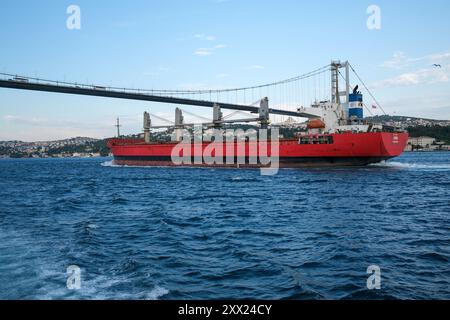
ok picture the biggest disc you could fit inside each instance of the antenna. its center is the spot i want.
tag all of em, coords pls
(118, 127)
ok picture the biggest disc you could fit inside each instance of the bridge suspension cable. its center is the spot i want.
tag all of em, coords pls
(367, 89)
(179, 92)
(365, 106)
(286, 96)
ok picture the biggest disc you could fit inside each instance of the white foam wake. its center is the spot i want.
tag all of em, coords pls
(109, 164)
(389, 164)
(157, 293)
(406, 165)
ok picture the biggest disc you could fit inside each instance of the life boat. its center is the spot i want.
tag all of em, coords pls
(316, 124)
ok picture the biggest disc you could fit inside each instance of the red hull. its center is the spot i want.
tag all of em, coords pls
(346, 149)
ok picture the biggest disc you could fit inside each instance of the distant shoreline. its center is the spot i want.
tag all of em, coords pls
(426, 151)
(30, 158)
(110, 156)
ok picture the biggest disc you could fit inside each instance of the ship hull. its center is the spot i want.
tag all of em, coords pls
(283, 162)
(346, 149)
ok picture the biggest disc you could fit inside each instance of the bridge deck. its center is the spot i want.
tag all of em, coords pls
(108, 93)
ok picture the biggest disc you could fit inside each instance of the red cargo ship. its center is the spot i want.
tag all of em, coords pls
(337, 135)
(343, 149)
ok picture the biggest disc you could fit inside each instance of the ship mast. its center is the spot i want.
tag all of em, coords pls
(336, 94)
(335, 97)
(118, 127)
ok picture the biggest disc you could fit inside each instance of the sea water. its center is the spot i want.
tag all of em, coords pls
(186, 233)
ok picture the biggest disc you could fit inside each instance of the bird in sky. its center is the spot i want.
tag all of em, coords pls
(437, 65)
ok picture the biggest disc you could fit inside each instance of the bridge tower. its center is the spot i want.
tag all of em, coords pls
(179, 124)
(217, 116)
(147, 126)
(336, 93)
(264, 113)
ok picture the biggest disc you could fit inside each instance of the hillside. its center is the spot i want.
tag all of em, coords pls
(439, 132)
(85, 147)
(88, 147)
(417, 127)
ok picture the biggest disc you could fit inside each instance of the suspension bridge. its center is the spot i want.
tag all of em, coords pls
(286, 96)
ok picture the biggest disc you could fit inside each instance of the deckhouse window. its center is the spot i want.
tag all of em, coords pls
(316, 140)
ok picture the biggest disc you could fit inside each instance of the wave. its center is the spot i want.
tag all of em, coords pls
(109, 164)
(406, 165)
(113, 165)
(242, 179)
(435, 256)
(389, 164)
(157, 293)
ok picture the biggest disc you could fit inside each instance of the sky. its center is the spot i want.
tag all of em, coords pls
(201, 44)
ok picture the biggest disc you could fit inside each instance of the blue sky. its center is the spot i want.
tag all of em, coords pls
(212, 44)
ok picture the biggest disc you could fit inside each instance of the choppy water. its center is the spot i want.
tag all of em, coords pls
(158, 233)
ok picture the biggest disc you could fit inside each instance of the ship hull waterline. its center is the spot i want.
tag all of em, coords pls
(283, 163)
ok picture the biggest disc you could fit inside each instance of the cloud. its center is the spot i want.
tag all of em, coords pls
(400, 60)
(254, 67)
(209, 51)
(204, 37)
(431, 75)
(43, 122)
(42, 129)
(432, 106)
(440, 58)
(203, 52)
(30, 121)
(160, 70)
(422, 70)
(150, 74)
